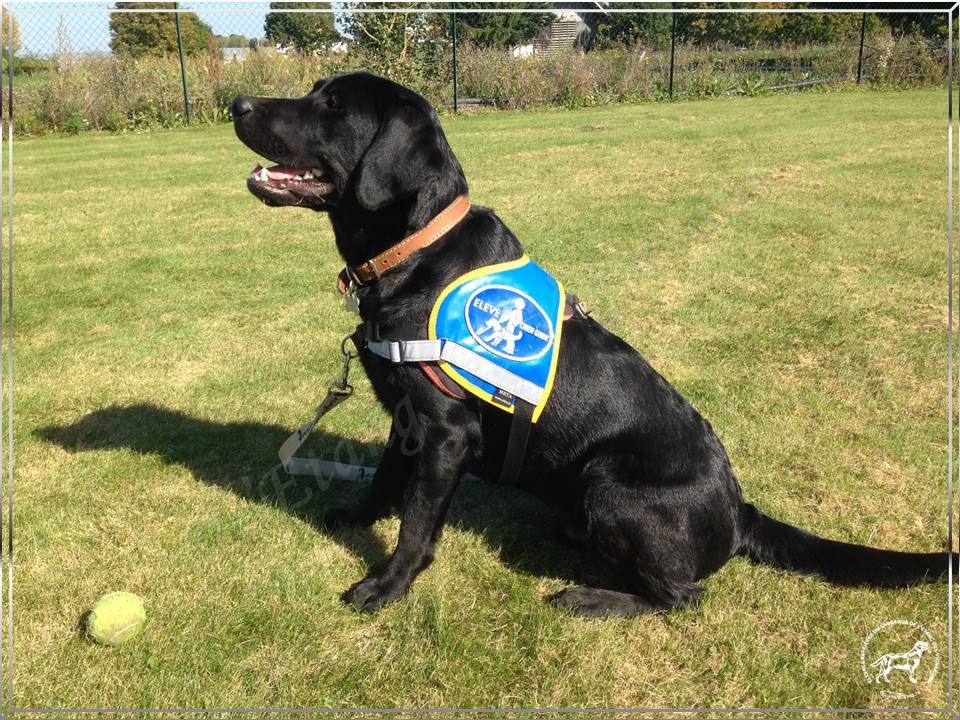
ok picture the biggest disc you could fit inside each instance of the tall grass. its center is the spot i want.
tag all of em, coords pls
(124, 94)
(637, 74)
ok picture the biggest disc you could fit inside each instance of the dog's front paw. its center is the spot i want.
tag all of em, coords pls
(351, 516)
(371, 594)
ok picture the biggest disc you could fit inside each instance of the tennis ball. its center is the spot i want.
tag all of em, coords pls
(115, 618)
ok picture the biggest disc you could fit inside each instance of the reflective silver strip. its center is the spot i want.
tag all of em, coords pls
(406, 350)
(491, 372)
(399, 351)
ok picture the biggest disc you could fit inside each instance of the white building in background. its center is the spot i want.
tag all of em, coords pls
(234, 54)
(566, 31)
(562, 33)
(567, 16)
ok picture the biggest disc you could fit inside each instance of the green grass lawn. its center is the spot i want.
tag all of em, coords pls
(781, 260)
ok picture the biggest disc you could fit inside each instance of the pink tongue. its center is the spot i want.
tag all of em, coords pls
(278, 172)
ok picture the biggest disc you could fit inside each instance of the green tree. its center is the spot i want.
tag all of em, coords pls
(5, 35)
(155, 33)
(409, 47)
(718, 28)
(818, 28)
(385, 32)
(499, 30)
(232, 41)
(929, 25)
(651, 29)
(394, 34)
(304, 31)
(745, 29)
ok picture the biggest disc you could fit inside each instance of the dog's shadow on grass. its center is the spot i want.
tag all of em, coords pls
(242, 458)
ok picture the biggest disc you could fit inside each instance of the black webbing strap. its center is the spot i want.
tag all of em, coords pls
(517, 444)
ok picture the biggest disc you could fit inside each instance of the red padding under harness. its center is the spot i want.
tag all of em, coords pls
(444, 384)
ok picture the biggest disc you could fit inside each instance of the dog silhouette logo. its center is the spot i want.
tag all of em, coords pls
(508, 323)
(908, 662)
(898, 655)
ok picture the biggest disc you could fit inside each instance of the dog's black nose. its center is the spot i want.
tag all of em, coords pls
(240, 106)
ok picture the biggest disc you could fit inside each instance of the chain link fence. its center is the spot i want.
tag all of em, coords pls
(92, 66)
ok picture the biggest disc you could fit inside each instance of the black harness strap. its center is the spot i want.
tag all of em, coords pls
(522, 410)
(517, 443)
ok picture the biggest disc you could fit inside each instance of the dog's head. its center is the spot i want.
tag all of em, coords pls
(355, 140)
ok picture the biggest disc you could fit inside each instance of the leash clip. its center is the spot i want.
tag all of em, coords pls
(352, 276)
(341, 386)
(337, 392)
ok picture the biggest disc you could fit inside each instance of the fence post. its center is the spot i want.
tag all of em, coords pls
(183, 69)
(673, 43)
(863, 30)
(453, 22)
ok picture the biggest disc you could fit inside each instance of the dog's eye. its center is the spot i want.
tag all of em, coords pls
(331, 102)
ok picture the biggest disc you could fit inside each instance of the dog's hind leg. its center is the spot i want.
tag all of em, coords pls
(642, 595)
(600, 602)
(647, 575)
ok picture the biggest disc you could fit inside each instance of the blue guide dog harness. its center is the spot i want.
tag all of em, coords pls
(494, 332)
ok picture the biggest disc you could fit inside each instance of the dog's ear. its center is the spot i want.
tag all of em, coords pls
(406, 154)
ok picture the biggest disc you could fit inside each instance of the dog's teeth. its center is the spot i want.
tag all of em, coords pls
(317, 172)
(308, 175)
(263, 175)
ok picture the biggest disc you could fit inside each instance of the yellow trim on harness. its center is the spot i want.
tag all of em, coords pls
(451, 371)
(558, 331)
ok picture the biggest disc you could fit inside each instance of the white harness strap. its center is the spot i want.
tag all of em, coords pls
(407, 350)
(458, 355)
(400, 351)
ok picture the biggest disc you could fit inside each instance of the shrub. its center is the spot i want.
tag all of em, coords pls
(103, 92)
(28, 65)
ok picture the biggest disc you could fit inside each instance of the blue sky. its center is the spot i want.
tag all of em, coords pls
(87, 28)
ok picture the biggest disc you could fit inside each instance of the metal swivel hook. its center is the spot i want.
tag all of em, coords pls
(341, 386)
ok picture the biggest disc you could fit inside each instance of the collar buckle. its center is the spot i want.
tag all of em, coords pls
(352, 276)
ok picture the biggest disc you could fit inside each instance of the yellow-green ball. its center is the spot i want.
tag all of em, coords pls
(116, 617)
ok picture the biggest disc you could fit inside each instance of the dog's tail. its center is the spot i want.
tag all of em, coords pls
(771, 542)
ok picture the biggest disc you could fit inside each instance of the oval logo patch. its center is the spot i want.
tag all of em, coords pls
(508, 323)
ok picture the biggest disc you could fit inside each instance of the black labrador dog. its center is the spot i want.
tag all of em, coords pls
(646, 482)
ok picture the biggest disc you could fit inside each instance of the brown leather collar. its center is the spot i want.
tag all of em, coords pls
(373, 268)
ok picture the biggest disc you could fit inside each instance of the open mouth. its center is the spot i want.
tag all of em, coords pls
(287, 185)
